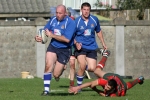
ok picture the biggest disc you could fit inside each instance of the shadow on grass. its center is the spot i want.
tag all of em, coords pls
(87, 89)
(62, 86)
(61, 94)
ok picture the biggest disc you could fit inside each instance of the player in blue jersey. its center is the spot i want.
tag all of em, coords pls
(85, 40)
(60, 29)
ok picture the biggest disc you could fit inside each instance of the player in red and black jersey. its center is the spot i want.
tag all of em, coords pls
(113, 84)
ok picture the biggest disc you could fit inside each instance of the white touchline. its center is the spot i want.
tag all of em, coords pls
(56, 90)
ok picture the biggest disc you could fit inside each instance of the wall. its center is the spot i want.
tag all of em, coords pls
(128, 42)
(17, 49)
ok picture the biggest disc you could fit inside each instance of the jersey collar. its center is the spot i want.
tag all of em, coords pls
(64, 18)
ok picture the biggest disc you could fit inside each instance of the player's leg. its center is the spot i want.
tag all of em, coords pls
(98, 71)
(58, 70)
(91, 63)
(82, 64)
(105, 55)
(139, 80)
(72, 70)
(50, 61)
(91, 58)
(63, 56)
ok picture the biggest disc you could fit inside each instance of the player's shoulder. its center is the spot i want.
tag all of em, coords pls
(67, 18)
(70, 21)
(53, 17)
(94, 17)
(79, 17)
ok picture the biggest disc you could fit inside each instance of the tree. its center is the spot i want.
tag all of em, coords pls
(141, 5)
(101, 4)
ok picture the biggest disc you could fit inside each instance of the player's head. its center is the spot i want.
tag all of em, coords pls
(110, 86)
(85, 9)
(60, 12)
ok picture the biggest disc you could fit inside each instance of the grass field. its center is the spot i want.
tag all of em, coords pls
(30, 89)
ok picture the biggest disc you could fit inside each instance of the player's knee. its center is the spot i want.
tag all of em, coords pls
(55, 75)
(82, 69)
(96, 71)
(72, 65)
(91, 69)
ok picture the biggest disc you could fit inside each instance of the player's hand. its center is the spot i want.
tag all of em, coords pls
(49, 33)
(105, 47)
(78, 45)
(38, 38)
(73, 90)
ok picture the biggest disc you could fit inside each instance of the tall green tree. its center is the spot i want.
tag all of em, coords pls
(141, 5)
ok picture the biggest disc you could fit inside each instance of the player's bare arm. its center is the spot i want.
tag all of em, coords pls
(57, 37)
(91, 84)
(100, 92)
(100, 36)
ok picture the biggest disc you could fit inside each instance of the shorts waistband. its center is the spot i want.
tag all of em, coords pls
(61, 47)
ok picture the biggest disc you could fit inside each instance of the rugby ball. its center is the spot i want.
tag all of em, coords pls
(44, 37)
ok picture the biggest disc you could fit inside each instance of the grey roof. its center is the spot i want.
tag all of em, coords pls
(24, 6)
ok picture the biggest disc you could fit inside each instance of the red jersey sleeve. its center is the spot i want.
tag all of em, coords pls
(102, 82)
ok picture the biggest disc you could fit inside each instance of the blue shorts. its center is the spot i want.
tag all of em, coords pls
(89, 53)
(63, 54)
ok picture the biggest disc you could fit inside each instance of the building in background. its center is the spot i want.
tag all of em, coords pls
(29, 10)
(75, 4)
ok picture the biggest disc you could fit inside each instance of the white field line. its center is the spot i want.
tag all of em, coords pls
(57, 90)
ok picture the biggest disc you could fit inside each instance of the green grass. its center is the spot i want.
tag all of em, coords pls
(30, 89)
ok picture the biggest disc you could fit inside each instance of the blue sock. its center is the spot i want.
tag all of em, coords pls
(79, 80)
(47, 81)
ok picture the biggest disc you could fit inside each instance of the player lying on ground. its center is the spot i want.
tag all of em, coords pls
(113, 84)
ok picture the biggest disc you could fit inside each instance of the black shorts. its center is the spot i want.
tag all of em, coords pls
(63, 54)
(89, 53)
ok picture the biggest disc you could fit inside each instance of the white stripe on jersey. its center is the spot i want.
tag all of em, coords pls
(93, 20)
(52, 20)
(66, 23)
(78, 22)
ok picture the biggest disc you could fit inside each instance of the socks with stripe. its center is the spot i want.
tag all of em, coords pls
(101, 64)
(79, 80)
(47, 80)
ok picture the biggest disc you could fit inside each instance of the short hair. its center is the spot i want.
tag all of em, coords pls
(85, 4)
(112, 83)
(63, 6)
